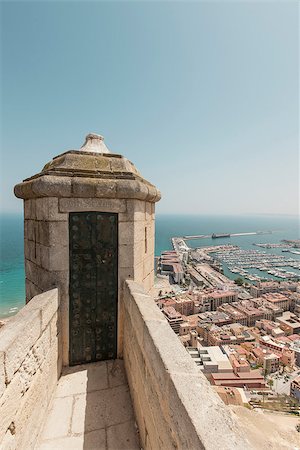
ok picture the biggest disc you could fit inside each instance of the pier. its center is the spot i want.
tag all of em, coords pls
(223, 235)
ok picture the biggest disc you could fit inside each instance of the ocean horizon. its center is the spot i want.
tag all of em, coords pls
(12, 275)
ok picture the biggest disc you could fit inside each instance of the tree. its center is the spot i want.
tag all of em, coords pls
(239, 281)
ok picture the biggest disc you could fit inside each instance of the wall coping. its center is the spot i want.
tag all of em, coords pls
(198, 405)
(22, 331)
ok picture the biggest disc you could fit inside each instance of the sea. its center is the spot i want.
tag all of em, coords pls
(12, 275)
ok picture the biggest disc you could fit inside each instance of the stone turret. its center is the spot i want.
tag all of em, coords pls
(90, 180)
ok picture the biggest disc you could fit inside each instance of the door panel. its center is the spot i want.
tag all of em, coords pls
(93, 288)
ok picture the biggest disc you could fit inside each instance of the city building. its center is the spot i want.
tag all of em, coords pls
(210, 359)
(289, 323)
(249, 380)
(270, 327)
(214, 317)
(252, 314)
(295, 388)
(288, 357)
(217, 298)
(226, 334)
(295, 346)
(270, 310)
(277, 299)
(234, 314)
(173, 317)
(270, 363)
(170, 264)
(260, 288)
(215, 279)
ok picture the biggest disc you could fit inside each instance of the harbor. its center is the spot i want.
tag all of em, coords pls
(224, 235)
(270, 261)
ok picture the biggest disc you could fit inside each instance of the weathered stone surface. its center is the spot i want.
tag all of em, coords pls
(87, 165)
(2, 374)
(29, 355)
(55, 258)
(29, 209)
(106, 188)
(59, 428)
(122, 436)
(126, 233)
(29, 228)
(9, 404)
(84, 187)
(32, 251)
(135, 211)
(45, 279)
(126, 258)
(47, 209)
(31, 289)
(171, 387)
(52, 233)
(138, 272)
(47, 303)
(148, 265)
(132, 189)
(148, 282)
(44, 186)
(91, 204)
(16, 339)
(31, 412)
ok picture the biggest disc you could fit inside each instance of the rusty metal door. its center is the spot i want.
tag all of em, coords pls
(93, 286)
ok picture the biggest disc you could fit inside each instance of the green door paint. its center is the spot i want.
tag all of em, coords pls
(93, 286)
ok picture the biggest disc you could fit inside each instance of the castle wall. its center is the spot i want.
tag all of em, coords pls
(30, 355)
(175, 407)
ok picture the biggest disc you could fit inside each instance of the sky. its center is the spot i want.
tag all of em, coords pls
(202, 97)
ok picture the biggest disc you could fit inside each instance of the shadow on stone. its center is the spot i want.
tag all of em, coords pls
(109, 421)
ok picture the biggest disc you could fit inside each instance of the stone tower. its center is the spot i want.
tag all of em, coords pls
(89, 225)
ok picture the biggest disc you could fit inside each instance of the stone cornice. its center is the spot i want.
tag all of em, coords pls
(82, 174)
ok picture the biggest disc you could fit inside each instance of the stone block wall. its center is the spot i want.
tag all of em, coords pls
(30, 365)
(46, 247)
(174, 404)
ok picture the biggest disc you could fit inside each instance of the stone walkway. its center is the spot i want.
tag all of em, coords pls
(91, 410)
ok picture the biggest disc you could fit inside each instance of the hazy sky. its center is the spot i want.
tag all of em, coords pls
(201, 96)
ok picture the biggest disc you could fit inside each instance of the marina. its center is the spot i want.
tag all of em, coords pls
(257, 265)
(247, 263)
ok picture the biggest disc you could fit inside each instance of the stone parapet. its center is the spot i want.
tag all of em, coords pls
(30, 365)
(174, 404)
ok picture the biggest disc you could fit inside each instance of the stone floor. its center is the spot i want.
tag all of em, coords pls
(91, 410)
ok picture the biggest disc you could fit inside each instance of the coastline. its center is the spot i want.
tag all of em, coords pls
(12, 274)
